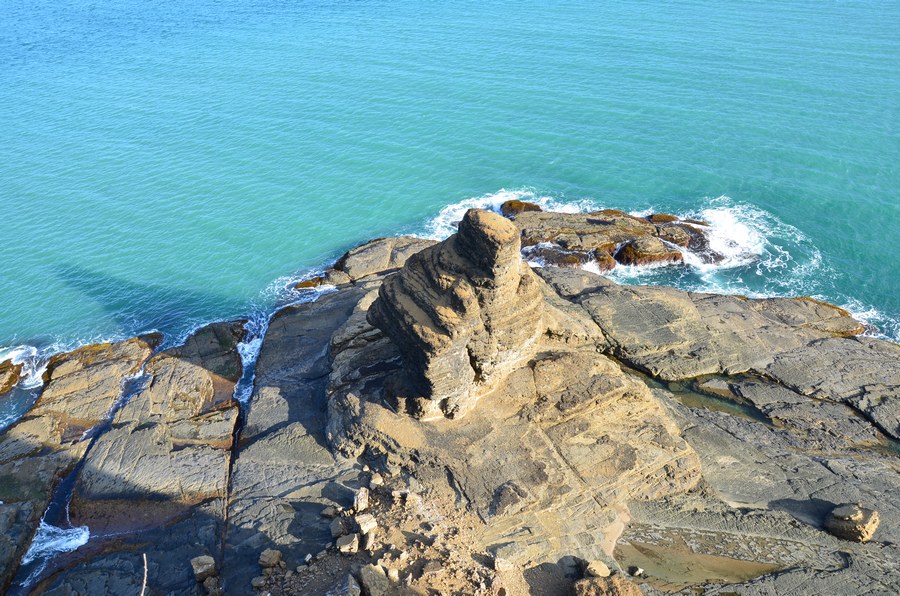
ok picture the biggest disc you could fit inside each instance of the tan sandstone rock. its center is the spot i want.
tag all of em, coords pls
(463, 313)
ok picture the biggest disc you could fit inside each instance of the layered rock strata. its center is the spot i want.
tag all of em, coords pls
(707, 440)
(81, 389)
(604, 238)
(464, 313)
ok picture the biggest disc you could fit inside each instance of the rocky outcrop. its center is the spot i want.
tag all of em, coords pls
(9, 375)
(690, 441)
(81, 388)
(675, 335)
(160, 472)
(546, 453)
(514, 207)
(463, 313)
(609, 236)
(647, 251)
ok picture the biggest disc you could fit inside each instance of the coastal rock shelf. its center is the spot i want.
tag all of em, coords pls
(449, 418)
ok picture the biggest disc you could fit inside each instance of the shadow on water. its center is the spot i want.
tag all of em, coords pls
(138, 307)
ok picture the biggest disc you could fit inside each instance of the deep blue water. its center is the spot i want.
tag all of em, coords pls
(165, 164)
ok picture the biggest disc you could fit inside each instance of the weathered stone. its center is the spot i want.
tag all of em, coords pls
(330, 512)
(361, 500)
(514, 207)
(370, 539)
(270, 557)
(348, 544)
(380, 256)
(596, 569)
(615, 585)
(463, 313)
(203, 566)
(9, 375)
(647, 251)
(213, 586)
(258, 582)
(366, 522)
(852, 522)
(374, 580)
(338, 527)
(81, 388)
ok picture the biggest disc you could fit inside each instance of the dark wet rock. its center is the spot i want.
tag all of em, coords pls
(312, 282)
(551, 255)
(9, 375)
(647, 251)
(380, 256)
(463, 313)
(514, 207)
(80, 389)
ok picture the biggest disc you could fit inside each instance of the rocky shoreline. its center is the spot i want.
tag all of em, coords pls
(449, 419)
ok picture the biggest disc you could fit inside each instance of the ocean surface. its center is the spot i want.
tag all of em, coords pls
(166, 164)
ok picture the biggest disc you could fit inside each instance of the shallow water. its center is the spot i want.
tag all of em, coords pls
(164, 165)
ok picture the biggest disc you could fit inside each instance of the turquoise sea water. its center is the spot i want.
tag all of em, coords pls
(165, 164)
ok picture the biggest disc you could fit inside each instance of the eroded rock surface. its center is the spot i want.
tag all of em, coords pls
(81, 388)
(159, 475)
(609, 236)
(463, 313)
(9, 376)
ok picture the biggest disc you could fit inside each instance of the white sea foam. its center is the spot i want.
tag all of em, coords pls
(48, 542)
(444, 224)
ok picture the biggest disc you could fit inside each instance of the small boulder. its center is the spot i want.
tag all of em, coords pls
(338, 527)
(213, 587)
(366, 522)
(348, 544)
(270, 558)
(258, 582)
(514, 207)
(374, 580)
(596, 569)
(329, 512)
(646, 251)
(204, 567)
(852, 522)
(369, 539)
(361, 500)
(347, 587)
(9, 375)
